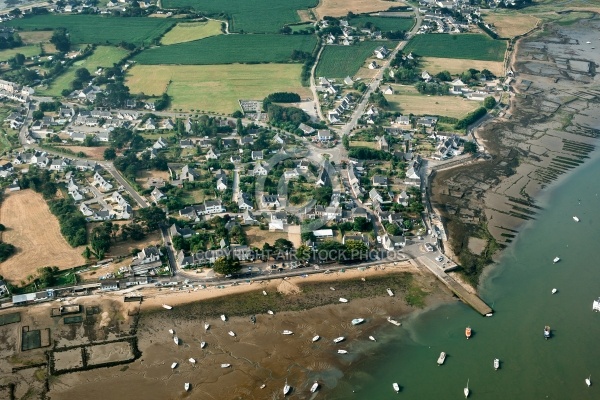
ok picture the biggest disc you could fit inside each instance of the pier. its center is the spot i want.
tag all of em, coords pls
(471, 299)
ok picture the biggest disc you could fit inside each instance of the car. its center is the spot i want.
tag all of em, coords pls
(379, 239)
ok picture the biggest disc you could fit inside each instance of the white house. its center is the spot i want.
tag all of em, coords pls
(324, 135)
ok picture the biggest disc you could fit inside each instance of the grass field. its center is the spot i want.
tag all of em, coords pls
(215, 87)
(466, 46)
(510, 24)
(11, 318)
(407, 100)
(98, 29)
(190, 31)
(28, 51)
(384, 24)
(342, 61)
(362, 143)
(34, 37)
(229, 49)
(35, 232)
(103, 56)
(434, 65)
(259, 16)
(340, 8)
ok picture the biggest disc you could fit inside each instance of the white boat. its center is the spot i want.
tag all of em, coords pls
(358, 321)
(343, 300)
(314, 387)
(171, 331)
(231, 333)
(192, 361)
(332, 288)
(466, 390)
(316, 338)
(286, 332)
(263, 386)
(596, 305)
(554, 290)
(206, 327)
(202, 345)
(496, 363)
(176, 340)
(372, 338)
(489, 314)
(223, 318)
(270, 312)
(186, 386)
(342, 351)
(441, 358)
(556, 259)
(286, 388)
(225, 365)
(264, 293)
(174, 365)
(390, 292)
(575, 219)
(393, 321)
(339, 339)
(167, 307)
(396, 387)
(588, 381)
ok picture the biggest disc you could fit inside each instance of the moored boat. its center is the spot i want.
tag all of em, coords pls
(489, 314)
(342, 351)
(547, 332)
(441, 358)
(496, 363)
(556, 259)
(223, 317)
(468, 332)
(174, 365)
(270, 312)
(263, 386)
(253, 319)
(286, 332)
(176, 340)
(575, 218)
(466, 390)
(171, 331)
(286, 388)
(389, 291)
(264, 293)
(202, 345)
(358, 321)
(372, 338)
(339, 339)
(167, 307)
(393, 321)
(332, 288)
(193, 361)
(225, 365)
(186, 386)
(596, 305)
(588, 381)
(314, 387)
(396, 387)
(343, 300)
(316, 338)
(554, 290)
(231, 333)
(206, 326)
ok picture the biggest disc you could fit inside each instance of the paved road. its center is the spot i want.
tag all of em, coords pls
(119, 178)
(313, 85)
(236, 185)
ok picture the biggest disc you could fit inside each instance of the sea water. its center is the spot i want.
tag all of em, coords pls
(519, 288)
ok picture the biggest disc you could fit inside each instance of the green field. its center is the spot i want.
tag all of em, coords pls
(229, 49)
(464, 46)
(190, 31)
(384, 24)
(98, 29)
(103, 56)
(258, 16)
(11, 318)
(31, 340)
(27, 51)
(342, 61)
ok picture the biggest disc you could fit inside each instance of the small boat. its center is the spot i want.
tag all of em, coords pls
(489, 314)
(554, 290)
(186, 386)
(253, 319)
(466, 390)
(286, 388)
(372, 338)
(332, 288)
(167, 307)
(316, 338)
(389, 291)
(202, 345)
(263, 386)
(441, 358)
(393, 321)
(342, 351)
(270, 312)
(223, 318)
(192, 361)
(231, 333)
(596, 305)
(468, 332)
(496, 363)
(314, 387)
(264, 293)
(358, 321)
(206, 327)
(547, 332)
(225, 365)
(286, 332)
(174, 365)
(556, 259)
(575, 219)
(171, 331)
(176, 340)
(396, 387)
(588, 381)
(343, 300)
(339, 339)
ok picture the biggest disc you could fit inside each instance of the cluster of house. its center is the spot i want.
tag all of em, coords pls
(486, 88)
(350, 34)
(439, 16)
(12, 91)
